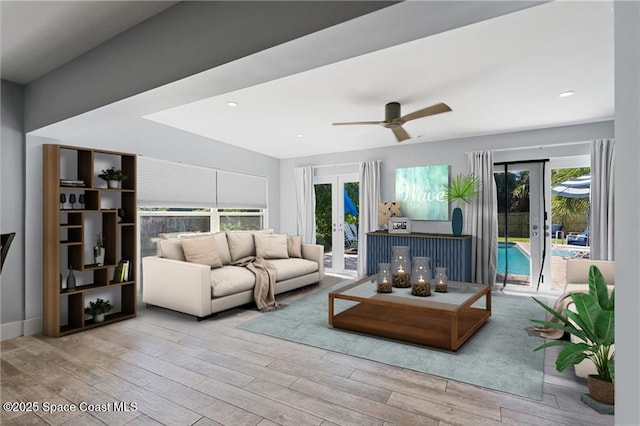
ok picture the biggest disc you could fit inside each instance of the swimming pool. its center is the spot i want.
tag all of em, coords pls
(518, 260)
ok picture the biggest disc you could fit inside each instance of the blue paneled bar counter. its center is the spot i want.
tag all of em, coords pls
(444, 250)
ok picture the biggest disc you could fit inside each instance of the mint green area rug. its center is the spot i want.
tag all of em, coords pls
(499, 356)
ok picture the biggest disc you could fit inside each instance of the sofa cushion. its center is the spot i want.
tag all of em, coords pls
(230, 280)
(292, 267)
(223, 247)
(294, 245)
(271, 246)
(171, 249)
(201, 250)
(241, 245)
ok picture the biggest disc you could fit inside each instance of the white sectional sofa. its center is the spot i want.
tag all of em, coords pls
(578, 282)
(194, 274)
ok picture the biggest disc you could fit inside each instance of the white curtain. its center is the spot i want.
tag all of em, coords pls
(305, 203)
(369, 198)
(481, 220)
(601, 200)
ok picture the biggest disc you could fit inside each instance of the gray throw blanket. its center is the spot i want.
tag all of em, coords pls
(264, 290)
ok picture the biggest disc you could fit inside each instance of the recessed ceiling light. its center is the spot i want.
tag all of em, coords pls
(232, 104)
(300, 135)
(566, 94)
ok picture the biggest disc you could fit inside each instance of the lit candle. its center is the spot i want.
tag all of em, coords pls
(400, 270)
(384, 280)
(420, 279)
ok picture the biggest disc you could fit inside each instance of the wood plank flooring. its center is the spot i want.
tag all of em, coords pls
(181, 372)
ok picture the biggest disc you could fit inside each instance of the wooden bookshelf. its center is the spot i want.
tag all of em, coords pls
(68, 239)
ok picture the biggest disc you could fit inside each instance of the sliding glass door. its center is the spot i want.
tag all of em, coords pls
(523, 241)
(337, 221)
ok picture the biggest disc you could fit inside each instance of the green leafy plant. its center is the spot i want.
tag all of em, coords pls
(112, 174)
(462, 188)
(593, 322)
(99, 241)
(100, 306)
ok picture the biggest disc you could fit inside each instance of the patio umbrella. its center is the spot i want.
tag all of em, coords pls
(579, 187)
(349, 207)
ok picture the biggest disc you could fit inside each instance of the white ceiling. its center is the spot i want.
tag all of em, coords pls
(499, 75)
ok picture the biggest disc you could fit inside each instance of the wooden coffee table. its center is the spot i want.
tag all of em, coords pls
(442, 320)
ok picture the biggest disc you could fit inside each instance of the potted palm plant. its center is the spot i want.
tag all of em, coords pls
(593, 322)
(113, 177)
(462, 188)
(98, 309)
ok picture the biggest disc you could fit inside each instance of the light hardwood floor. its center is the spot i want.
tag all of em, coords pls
(183, 372)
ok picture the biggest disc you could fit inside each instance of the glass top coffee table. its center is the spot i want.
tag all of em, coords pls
(442, 320)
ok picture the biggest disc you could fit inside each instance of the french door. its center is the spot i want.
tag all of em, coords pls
(337, 221)
(523, 224)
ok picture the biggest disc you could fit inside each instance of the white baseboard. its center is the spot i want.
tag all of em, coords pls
(11, 330)
(20, 328)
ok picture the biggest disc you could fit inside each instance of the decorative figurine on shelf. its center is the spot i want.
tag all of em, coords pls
(113, 177)
(441, 279)
(121, 215)
(71, 280)
(420, 277)
(400, 266)
(97, 309)
(98, 251)
(384, 278)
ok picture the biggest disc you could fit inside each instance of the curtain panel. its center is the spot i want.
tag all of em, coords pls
(481, 220)
(601, 221)
(305, 203)
(369, 198)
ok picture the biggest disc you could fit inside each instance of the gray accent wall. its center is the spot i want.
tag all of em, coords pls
(12, 193)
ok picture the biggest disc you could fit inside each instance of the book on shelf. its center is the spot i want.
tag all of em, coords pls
(121, 273)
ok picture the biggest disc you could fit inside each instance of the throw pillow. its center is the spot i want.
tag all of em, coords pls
(223, 247)
(201, 250)
(294, 245)
(271, 246)
(171, 249)
(241, 245)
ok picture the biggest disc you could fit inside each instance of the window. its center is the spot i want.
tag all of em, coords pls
(164, 222)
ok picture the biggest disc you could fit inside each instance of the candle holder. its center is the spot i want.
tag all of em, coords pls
(384, 278)
(441, 280)
(400, 266)
(420, 277)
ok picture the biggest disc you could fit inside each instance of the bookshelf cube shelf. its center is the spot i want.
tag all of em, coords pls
(69, 233)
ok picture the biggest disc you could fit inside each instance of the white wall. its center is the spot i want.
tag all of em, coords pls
(541, 143)
(12, 208)
(627, 205)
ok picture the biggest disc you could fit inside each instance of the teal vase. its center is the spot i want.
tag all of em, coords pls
(456, 221)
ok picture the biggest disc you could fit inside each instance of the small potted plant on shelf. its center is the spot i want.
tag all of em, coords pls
(461, 188)
(113, 177)
(98, 250)
(97, 309)
(593, 322)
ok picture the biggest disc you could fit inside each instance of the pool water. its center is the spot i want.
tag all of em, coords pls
(518, 260)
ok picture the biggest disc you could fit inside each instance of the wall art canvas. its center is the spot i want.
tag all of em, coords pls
(421, 192)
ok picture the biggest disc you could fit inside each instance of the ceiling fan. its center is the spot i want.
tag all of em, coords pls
(393, 120)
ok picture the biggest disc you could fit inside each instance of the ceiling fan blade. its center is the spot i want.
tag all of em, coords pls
(424, 112)
(359, 122)
(400, 133)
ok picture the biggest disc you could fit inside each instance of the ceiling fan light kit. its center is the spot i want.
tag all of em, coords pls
(394, 121)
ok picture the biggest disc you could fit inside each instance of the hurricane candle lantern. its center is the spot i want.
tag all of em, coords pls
(441, 279)
(384, 278)
(400, 266)
(420, 277)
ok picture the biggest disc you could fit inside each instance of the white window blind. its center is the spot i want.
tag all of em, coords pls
(164, 183)
(237, 190)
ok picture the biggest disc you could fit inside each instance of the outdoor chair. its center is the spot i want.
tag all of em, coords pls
(579, 239)
(557, 231)
(350, 237)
